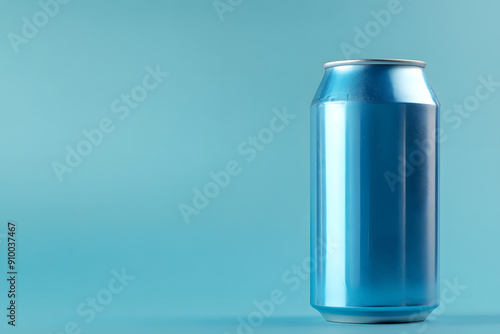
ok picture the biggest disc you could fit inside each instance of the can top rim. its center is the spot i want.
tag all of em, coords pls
(401, 62)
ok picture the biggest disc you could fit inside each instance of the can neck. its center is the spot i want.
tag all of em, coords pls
(379, 83)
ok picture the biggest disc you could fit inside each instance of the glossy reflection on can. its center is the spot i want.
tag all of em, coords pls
(374, 193)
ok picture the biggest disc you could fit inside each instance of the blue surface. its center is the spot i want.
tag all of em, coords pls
(119, 208)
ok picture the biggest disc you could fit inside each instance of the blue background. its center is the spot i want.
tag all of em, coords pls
(120, 207)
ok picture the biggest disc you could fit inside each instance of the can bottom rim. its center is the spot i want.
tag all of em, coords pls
(375, 315)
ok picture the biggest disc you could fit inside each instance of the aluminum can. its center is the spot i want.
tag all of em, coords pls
(374, 192)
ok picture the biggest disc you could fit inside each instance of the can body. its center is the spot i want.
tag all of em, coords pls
(374, 193)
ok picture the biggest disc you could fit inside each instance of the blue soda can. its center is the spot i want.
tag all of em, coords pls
(374, 192)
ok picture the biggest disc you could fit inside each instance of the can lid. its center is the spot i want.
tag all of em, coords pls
(403, 62)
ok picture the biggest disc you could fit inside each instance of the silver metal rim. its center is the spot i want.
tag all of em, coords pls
(401, 62)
